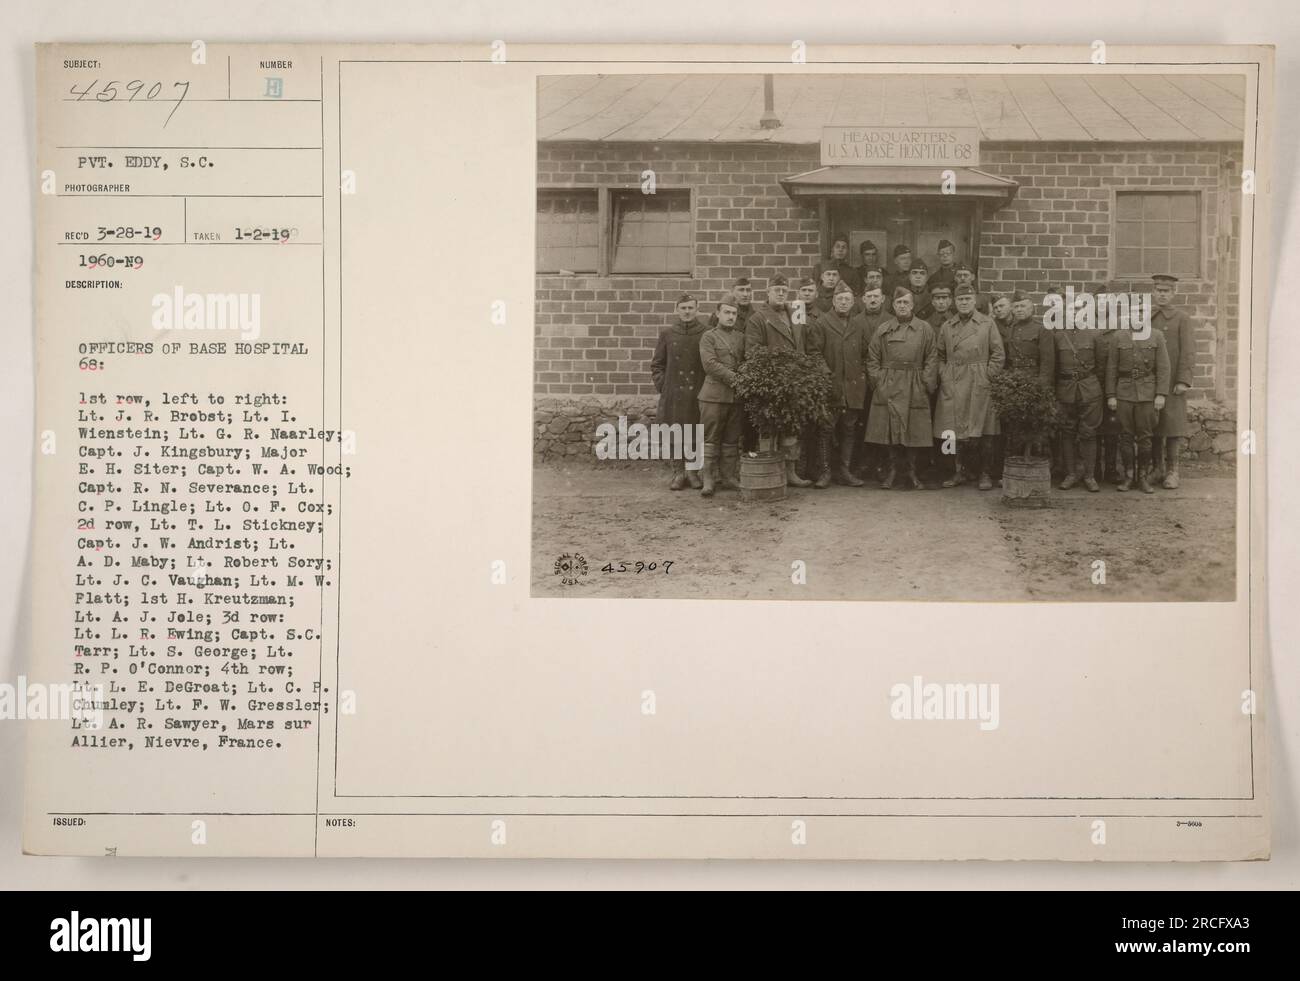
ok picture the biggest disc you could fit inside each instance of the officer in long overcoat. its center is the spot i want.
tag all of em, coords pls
(678, 375)
(869, 320)
(1180, 342)
(970, 355)
(902, 363)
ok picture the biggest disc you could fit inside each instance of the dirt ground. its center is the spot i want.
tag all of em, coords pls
(865, 543)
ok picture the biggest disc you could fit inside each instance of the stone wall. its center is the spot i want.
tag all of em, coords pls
(565, 428)
(1212, 433)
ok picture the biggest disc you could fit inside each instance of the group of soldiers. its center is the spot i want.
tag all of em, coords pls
(911, 354)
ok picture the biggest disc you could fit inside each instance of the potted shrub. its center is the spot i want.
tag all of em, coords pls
(1028, 414)
(782, 393)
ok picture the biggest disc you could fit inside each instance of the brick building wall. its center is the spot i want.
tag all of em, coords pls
(1058, 226)
(595, 335)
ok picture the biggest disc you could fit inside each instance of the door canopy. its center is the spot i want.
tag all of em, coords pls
(968, 184)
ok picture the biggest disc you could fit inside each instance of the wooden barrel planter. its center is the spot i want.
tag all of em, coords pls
(762, 476)
(1026, 481)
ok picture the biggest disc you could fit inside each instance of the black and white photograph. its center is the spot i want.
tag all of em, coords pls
(889, 335)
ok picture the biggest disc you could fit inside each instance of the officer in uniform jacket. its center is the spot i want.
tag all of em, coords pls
(1180, 339)
(965, 276)
(916, 280)
(869, 320)
(940, 305)
(830, 284)
(873, 278)
(742, 293)
(940, 311)
(1027, 342)
(837, 336)
(898, 275)
(1080, 369)
(839, 261)
(722, 348)
(769, 325)
(946, 274)
(1137, 381)
(678, 375)
(770, 328)
(868, 258)
(1108, 432)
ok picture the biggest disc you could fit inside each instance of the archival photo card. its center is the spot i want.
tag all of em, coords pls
(412, 418)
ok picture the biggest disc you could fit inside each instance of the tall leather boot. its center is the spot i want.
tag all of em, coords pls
(1174, 449)
(1144, 470)
(913, 456)
(1108, 447)
(887, 481)
(1089, 448)
(1157, 474)
(693, 476)
(1126, 458)
(984, 450)
(821, 472)
(729, 471)
(792, 479)
(1071, 463)
(844, 473)
(679, 475)
(708, 472)
(958, 465)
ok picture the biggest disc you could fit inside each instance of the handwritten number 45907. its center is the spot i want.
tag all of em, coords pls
(109, 92)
